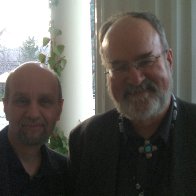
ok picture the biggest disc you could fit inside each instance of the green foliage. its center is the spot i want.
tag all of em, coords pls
(29, 50)
(55, 60)
(46, 41)
(58, 142)
(53, 3)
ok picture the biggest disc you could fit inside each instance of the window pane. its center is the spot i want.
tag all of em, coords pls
(23, 25)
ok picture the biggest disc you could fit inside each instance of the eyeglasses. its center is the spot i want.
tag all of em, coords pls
(141, 64)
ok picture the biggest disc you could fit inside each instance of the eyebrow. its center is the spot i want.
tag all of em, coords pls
(144, 55)
(116, 62)
(17, 94)
(140, 56)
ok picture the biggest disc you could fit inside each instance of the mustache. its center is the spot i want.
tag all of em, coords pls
(32, 122)
(145, 85)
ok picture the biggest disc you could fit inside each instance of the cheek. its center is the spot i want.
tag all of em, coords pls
(165, 80)
(13, 114)
(52, 116)
(116, 88)
(161, 76)
(167, 83)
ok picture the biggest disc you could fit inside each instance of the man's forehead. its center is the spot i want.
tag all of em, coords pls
(28, 94)
(33, 75)
(30, 85)
(127, 24)
(32, 71)
(134, 31)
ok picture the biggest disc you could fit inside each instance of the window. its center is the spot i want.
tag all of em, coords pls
(23, 24)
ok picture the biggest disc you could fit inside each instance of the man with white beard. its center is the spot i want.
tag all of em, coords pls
(146, 146)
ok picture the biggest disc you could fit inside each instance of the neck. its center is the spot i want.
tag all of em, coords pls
(29, 156)
(146, 128)
(31, 161)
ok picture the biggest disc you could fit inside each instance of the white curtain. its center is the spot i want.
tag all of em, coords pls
(179, 19)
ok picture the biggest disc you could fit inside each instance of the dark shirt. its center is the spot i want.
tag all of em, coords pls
(51, 179)
(138, 175)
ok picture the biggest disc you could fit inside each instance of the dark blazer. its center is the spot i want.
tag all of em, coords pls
(94, 152)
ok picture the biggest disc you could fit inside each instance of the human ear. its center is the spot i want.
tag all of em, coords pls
(170, 59)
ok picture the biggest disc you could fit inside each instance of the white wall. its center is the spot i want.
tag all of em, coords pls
(73, 18)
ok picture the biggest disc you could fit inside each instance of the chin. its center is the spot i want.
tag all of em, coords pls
(140, 109)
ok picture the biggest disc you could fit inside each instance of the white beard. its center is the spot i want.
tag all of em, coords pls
(138, 108)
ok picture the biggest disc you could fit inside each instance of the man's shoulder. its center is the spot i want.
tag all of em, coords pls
(99, 121)
(186, 106)
(3, 132)
(108, 116)
(3, 139)
(186, 114)
(53, 155)
(56, 162)
(96, 128)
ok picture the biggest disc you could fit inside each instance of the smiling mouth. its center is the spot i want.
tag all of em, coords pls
(33, 126)
(136, 93)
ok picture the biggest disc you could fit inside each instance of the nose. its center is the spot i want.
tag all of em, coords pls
(33, 110)
(135, 76)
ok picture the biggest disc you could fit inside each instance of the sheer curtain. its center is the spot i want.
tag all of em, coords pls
(178, 17)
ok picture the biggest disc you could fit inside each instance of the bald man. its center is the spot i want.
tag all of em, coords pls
(32, 104)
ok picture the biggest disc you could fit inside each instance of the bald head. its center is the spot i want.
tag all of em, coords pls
(123, 21)
(32, 72)
(32, 104)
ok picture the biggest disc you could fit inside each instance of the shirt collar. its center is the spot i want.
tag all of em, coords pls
(165, 126)
(162, 132)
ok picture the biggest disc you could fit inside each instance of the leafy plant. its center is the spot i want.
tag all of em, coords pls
(52, 56)
(53, 3)
(58, 141)
(55, 60)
